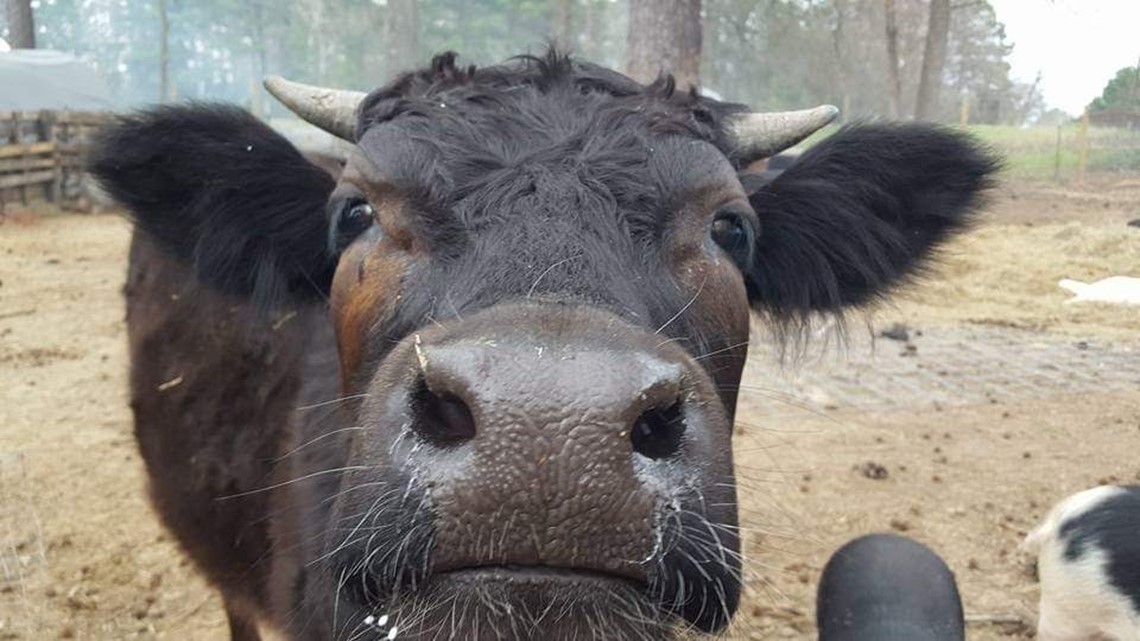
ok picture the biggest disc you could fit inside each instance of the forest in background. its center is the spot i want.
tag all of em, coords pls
(866, 56)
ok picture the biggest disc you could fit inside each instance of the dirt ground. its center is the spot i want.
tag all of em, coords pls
(1001, 401)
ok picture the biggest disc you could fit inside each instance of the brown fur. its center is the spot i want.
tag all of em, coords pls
(212, 387)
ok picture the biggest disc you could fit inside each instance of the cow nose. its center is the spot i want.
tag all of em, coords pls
(470, 389)
(545, 435)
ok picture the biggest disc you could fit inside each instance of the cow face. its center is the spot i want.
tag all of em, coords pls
(541, 277)
(546, 326)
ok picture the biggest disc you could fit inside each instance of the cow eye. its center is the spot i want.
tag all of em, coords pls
(733, 232)
(354, 217)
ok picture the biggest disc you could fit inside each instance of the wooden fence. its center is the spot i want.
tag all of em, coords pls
(42, 156)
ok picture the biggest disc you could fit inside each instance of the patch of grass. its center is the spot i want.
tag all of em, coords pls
(1032, 152)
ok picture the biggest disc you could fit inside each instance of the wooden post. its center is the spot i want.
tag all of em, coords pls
(964, 114)
(1083, 146)
(24, 165)
(55, 191)
(1057, 157)
(16, 139)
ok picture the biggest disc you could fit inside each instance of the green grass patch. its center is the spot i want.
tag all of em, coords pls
(1032, 152)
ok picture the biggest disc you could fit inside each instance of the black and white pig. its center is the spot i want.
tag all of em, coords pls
(1088, 560)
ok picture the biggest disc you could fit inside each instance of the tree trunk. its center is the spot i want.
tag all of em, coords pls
(21, 25)
(665, 35)
(933, 59)
(257, 60)
(561, 24)
(592, 46)
(839, 60)
(163, 53)
(1027, 104)
(403, 27)
(894, 86)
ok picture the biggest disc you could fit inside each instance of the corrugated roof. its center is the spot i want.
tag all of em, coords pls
(33, 79)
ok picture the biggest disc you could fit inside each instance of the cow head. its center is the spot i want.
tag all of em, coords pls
(541, 276)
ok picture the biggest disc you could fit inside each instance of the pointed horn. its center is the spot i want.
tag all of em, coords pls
(333, 110)
(759, 135)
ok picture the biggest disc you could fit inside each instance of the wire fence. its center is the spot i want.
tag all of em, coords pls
(1068, 153)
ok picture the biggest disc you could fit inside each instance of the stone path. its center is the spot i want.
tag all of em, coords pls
(939, 365)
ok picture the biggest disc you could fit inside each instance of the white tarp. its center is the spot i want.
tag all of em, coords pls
(1121, 290)
(33, 79)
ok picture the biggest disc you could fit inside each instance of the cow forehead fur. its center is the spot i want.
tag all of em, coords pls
(456, 130)
(535, 97)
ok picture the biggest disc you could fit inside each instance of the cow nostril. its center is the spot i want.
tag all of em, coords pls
(442, 418)
(657, 432)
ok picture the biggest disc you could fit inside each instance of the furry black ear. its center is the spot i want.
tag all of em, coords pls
(860, 212)
(220, 189)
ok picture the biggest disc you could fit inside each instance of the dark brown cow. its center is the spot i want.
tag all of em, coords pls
(482, 385)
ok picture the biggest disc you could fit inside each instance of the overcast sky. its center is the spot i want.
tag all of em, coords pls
(1077, 45)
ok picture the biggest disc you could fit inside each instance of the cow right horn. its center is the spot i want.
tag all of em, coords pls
(759, 135)
(333, 110)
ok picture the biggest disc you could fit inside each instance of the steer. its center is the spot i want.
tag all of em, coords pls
(482, 383)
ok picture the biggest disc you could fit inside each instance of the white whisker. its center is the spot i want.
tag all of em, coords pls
(683, 309)
(314, 440)
(343, 399)
(347, 468)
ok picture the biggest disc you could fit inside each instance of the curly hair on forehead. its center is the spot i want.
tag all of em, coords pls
(445, 84)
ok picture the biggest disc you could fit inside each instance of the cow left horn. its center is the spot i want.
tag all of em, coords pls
(759, 135)
(333, 110)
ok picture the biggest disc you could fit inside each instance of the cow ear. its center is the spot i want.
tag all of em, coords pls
(217, 187)
(859, 213)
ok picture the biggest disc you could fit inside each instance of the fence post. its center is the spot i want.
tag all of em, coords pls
(1057, 157)
(964, 114)
(55, 191)
(25, 161)
(1083, 146)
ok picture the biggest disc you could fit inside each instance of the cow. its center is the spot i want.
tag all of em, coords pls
(1088, 561)
(482, 384)
(886, 587)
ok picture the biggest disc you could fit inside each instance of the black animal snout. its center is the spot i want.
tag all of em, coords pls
(545, 449)
(885, 587)
(555, 433)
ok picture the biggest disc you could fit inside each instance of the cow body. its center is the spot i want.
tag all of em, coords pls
(215, 389)
(1088, 561)
(480, 383)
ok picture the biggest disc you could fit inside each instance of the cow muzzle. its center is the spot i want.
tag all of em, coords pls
(535, 449)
